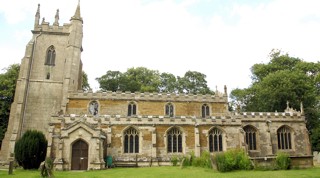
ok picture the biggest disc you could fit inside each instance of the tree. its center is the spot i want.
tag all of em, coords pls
(168, 83)
(283, 79)
(8, 81)
(134, 79)
(85, 83)
(141, 79)
(194, 83)
(31, 149)
(110, 81)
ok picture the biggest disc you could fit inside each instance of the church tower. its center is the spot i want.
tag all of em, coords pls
(50, 68)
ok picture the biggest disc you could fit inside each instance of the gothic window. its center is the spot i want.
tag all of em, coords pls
(284, 138)
(131, 141)
(174, 138)
(51, 56)
(132, 109)
(215, 140)
(169, 110)
(250, 137)
(93, 108)
(205, 111)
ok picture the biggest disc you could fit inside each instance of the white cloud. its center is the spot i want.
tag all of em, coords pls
(165, 36)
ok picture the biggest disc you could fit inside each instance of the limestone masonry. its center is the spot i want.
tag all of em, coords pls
(147, 129)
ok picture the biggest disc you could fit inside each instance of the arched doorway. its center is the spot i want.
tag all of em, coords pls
(79, 155)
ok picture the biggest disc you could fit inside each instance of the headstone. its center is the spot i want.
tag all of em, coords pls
(315, 155)
(10, 168)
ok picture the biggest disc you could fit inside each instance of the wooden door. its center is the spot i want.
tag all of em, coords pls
(79, 155)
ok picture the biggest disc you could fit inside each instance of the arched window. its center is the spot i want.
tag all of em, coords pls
(174, 138)
(131, 141)
(93, 108)
(51, 56)
(169, 110)
(250, 137)
(205, 111)
(132, 109)
(215, 140)
(284, 138)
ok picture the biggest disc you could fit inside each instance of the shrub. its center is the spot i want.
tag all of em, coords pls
(31, 149)
(188, 160)
(283, 161)
(233, 160)
(202, 161)
(174, 160)
(243, 161)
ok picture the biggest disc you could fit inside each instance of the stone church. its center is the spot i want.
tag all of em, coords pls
(147, 129)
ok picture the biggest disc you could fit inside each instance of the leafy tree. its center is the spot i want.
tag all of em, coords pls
(8, 81)
(283, 79)
(134, 79)
(193, 82)
(142, 79)
(111, 80)
(31, 149)
(85, 83)
(315, 135)
(168, 83)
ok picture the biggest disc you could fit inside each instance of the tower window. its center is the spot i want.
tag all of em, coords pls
(51, 56)
(48, 76)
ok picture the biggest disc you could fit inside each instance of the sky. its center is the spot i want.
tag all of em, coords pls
(222, 39)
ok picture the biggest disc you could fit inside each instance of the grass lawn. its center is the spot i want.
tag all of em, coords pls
(164, 172)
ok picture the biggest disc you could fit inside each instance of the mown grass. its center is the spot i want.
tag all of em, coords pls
(164, 172)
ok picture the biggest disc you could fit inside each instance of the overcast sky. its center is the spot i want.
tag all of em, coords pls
(219, 38)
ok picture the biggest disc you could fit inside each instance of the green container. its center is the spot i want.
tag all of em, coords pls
(108, 161)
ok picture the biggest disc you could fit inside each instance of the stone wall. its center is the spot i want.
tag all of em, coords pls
(152, 133)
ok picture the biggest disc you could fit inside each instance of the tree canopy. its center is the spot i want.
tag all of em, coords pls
(85, 83)
(283, 79)
(142, 79)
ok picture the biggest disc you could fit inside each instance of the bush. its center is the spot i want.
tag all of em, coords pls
(174, 160)
(31, 149)
(283, 161)
(188, 160)
(202, 161)
(243, 161)
(233, 160)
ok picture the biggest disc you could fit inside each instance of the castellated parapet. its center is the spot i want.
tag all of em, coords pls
(45, 27)
(219, 97)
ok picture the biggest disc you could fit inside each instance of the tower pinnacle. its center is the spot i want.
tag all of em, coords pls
(37, 17)
(56, 18)
(77, 15)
